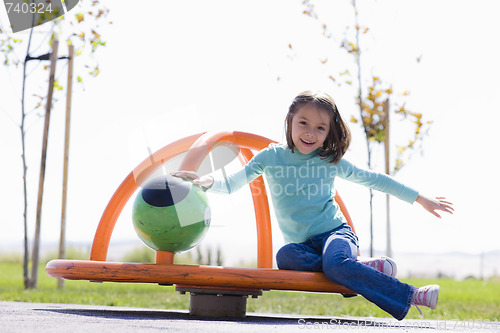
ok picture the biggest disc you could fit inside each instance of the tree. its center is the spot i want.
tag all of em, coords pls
(78, 28)
(373, 98)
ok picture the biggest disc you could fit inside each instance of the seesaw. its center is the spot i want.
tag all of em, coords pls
(214, 291)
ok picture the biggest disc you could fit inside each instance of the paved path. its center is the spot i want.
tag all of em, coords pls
(44, 317)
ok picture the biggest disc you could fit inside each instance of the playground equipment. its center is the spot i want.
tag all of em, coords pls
(214, 291)
(171, 214)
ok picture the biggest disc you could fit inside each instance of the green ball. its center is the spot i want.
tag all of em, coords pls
(171, 214)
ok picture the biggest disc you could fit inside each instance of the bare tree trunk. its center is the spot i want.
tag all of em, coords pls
(36, 243)
(62, 239)
(25, 212)
(360, 103)
(387, 171)
(26, 277)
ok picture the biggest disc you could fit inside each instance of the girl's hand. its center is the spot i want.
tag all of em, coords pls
(205, 181)
(433, 204)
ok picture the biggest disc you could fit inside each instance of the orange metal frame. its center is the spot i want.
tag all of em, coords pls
(164, 271)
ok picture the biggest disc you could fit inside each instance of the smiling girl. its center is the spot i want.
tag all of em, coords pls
(301, 175)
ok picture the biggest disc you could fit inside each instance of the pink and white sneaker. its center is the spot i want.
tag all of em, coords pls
(382, 264)
(426, 296)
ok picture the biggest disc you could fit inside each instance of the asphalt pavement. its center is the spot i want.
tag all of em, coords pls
(46, 317)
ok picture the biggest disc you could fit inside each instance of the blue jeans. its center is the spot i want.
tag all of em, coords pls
(334, 253)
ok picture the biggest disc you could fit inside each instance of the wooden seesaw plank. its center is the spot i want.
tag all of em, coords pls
(248, 278)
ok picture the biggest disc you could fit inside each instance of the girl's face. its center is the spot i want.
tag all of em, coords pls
(310, 128)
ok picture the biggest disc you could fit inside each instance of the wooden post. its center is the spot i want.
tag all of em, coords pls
(36, 243)
(387, 171)
(62, 239)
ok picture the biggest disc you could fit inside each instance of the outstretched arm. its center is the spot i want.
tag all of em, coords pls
(433, 204)
(205, 181)
(229, 183)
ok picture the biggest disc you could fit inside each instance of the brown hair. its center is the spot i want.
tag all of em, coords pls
(339, 136)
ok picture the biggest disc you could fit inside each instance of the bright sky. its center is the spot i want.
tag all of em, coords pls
(179, 68)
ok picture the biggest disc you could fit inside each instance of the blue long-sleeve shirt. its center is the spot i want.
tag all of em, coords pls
(302, 188)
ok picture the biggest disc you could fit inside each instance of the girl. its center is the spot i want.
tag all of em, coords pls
(301, 176)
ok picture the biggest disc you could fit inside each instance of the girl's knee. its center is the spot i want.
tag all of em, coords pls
(285, 256)
(334, 262)
(298, 257)
(338, 260)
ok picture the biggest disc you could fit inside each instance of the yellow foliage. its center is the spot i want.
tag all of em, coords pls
(57, 86)
(401, 149)
(79, 17)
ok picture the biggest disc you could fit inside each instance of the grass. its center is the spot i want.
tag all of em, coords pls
(462, 300)
(85, 292)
